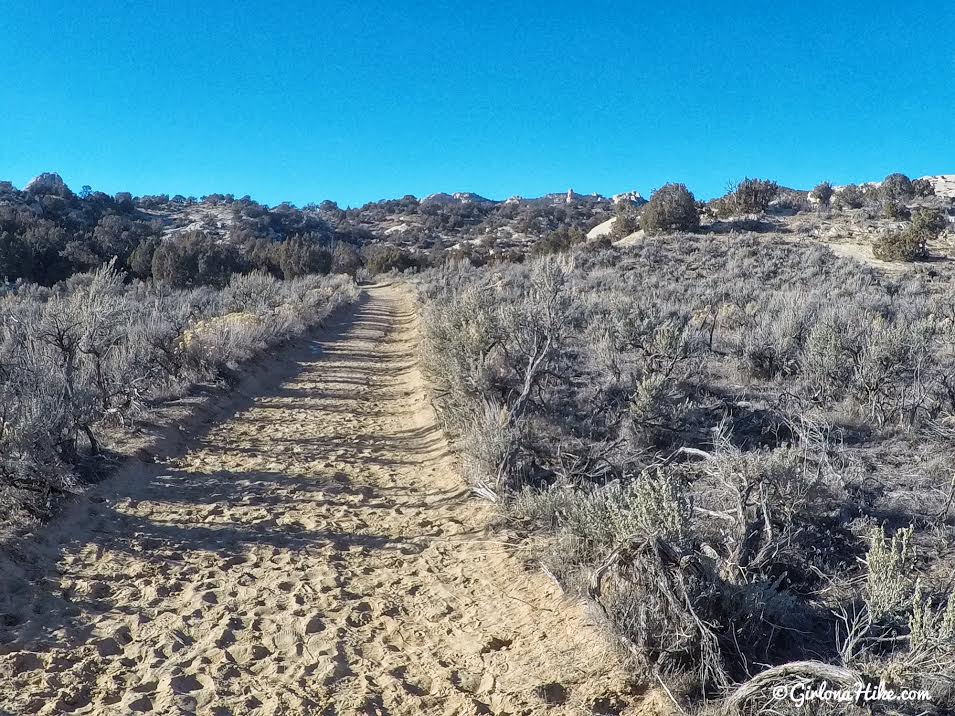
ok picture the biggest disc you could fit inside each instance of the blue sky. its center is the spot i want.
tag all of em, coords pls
(366, 100)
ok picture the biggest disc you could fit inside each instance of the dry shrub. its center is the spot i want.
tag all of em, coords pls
(487, 440)
(922, 188)
(489, 355)
(698, 444)
(96, 351)
(890, 568)
(774, 338)
(850, 197)
(685, 585)
(750, 196)
(223, 340)
(910, 244)
(896, 188)
(672, 207)
(823, 193)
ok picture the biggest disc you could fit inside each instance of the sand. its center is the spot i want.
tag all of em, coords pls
(602, 229)
(312, 551)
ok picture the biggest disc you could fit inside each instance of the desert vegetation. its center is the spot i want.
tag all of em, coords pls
(672, 207)
(735, 445)
(749, 196)
(48, 233)
(98, 351)
(910, 243)
(822, 193)
(738, 448)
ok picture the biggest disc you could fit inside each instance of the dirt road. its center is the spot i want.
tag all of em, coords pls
(311, 552)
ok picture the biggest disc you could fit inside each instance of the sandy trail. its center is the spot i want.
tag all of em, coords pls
(313, 552)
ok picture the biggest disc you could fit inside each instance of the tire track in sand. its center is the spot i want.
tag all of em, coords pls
(312, 553)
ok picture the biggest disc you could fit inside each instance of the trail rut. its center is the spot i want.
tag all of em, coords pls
(313, 552)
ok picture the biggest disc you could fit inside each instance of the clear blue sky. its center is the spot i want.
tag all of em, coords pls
(365, 100)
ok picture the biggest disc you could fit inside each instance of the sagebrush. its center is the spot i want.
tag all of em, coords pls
(99, 351)
(697, 422)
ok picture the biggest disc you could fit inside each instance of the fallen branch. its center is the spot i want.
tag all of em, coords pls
(761, 686)
(485, 491)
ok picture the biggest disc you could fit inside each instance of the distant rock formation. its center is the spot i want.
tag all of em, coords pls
(634, 197)
(944, 185)
(460, 197)
(48, 183)
(467, 197)
(439, 198)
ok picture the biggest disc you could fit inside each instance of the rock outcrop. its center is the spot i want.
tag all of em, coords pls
(603, 229)
(634, 197)
(459, 197)
(48, 183)
(944, 185)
